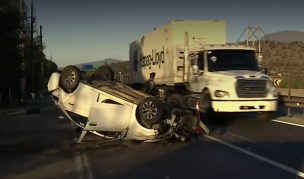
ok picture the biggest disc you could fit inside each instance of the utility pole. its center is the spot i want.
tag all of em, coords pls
(41, 38)
(23, 81)
(32, 45)
(41, 46)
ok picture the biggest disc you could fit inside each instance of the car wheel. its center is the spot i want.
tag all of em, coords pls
(70, 78)
(178, 99)
(106, 72)
(209, 113)
(150, 111)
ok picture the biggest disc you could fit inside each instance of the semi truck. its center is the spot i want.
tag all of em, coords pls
(191, 62)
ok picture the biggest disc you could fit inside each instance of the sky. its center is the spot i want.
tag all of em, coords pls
(79, 31)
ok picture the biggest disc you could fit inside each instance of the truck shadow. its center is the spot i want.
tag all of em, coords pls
(225, 119)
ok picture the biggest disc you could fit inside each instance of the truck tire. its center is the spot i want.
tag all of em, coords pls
(70, 78)
(150, 111)
(209, 113)
(178, 99)
(265, 116)
(106, 72)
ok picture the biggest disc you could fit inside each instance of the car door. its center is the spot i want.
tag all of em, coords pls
(109, 113)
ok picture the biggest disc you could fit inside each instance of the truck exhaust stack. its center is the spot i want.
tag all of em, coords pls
(186, 61)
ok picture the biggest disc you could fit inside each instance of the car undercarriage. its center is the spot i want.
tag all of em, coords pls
(115, 111)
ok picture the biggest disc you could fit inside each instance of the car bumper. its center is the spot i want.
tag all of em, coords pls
(245, 106)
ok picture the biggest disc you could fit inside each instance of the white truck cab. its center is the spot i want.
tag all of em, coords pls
(230, 75)
(192, 62)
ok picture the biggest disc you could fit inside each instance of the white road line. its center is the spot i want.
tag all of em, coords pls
(87, 166)
(79, 167)
(82, 164)
(271, 162)
(289, 123)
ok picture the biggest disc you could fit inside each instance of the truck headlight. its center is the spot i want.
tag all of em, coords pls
(221, 94)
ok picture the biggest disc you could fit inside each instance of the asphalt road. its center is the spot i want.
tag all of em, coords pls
(42, 147)
(36, 146)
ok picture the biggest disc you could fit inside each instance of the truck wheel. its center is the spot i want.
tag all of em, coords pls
(265, 116)
(178, 99)
(150, 111)
(70, 78)
(209, 114)
(106, 72)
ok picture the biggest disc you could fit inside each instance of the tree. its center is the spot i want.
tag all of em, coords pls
(9, 52)
(12, 23)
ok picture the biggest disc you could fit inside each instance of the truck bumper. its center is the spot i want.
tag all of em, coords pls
(244, 106)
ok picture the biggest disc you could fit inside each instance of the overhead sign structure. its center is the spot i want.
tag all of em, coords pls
(87, 67)
(276, 82)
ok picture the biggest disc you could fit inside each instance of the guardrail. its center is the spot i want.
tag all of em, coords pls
(293, 92)
(291, 98)
(292, 101)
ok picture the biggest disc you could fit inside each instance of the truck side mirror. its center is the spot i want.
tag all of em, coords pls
(193, 61)
(196, 70)
(194, 58)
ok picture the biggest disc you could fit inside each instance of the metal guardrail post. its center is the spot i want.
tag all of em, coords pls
(289, 91)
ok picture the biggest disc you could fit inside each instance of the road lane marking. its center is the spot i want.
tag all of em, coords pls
(289, 123)
(79, 166)
(271, 162)
(83, 167)
(87, 165)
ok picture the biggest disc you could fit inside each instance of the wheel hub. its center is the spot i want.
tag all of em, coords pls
(149, 110)
(69, 77)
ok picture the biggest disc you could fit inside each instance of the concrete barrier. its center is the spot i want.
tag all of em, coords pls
(294, 92)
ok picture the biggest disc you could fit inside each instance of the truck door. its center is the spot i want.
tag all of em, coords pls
(200, 77)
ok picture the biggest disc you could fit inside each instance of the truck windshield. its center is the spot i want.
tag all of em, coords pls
(223, 60)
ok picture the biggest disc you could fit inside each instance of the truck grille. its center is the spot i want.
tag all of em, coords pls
(251, 88)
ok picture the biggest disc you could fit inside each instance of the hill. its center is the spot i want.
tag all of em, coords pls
(120, 67)
(276, 55)
(279, 57)
(106, 61)
(285, 36)
(284, 49)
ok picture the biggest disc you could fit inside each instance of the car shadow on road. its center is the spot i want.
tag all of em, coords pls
(227, 119)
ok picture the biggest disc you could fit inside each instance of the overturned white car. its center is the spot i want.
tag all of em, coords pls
(115, 111)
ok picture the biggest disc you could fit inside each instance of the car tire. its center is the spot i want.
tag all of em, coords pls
(265, 116)
(209, 113)
(150, 111)
(178, 99)
(70, 78)
(105, 72)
